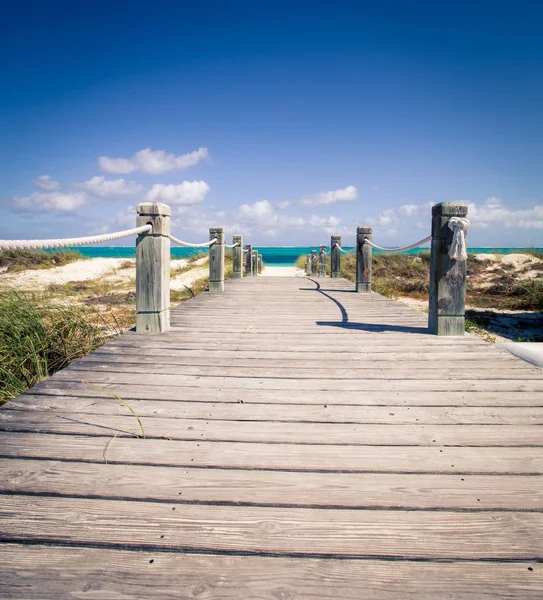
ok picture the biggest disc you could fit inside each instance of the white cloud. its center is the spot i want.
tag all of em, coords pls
(257, 212)
(284, 204)
(152, 162)
(483, 216)
(386, 217)
(44, 182)
(50, 201)
(408, 209)
(182, 194)
(261, 217)
(348, 194)
(100, 186)
(493, 211)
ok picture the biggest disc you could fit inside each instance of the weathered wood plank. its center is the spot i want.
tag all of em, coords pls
(237, 411)
(251, 455)
(288, 531)
(53, 572)
(428, 397)
(265, 488)
(271, 432)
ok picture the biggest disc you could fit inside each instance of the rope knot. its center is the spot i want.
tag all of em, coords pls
(458, 226)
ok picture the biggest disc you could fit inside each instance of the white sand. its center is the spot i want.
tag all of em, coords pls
(81, 270)
(282, 272)
(187, 279)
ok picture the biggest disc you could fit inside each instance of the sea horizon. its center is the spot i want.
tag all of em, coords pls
(271, 255)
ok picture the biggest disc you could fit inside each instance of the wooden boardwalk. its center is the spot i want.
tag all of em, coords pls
(302, 442)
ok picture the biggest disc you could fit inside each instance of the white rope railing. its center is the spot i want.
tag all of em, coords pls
(188, 245)
(410, 247)
(66, 242)
(231, 245)
(345, 251)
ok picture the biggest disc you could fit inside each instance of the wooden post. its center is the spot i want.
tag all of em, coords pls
(259, 263)
(447, 276)
(363, 259)
(335, 257)
(313, 262)
(216, 260)
(255, 263)
(249, 261)
(153, 269)
(308, 265)
(322, 261)
(237, 271)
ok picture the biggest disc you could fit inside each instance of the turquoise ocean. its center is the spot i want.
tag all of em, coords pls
(279, 256)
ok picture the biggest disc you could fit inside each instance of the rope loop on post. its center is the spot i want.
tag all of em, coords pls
(458, 250)
(345, 251)
(404, 249)
(231, 245)
(188, 245)
(68, 242)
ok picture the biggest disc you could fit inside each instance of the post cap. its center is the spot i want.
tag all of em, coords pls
(452, 209)
(364, 229)
(154, 209)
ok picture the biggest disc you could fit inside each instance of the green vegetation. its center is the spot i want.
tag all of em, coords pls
(38, 338)
(15, 261)
(42, 332)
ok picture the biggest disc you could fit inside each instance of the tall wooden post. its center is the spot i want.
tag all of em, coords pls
(259, 263)
(447, 276)
(216, 260)
(249, 260)
(308, 265)
(237, 270)
(322, 261)
(335, 257)
(153, 268)
(313, 262)
(363, 259)
(255, 263)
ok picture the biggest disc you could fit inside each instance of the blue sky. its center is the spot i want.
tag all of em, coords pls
(284, 121)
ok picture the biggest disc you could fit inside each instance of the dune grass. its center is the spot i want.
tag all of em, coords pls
(408, 275)
(42, 332)
(15, 261)
(38, 338)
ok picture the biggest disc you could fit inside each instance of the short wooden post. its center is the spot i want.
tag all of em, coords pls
(335, 257)
(216, 260)
(308, 265)
(259, 263)
(255, 263)
(249, 260)
(447, 276)
(322, 261)
(313, 262)
(153, 268)
(237, 267)
(363, 259)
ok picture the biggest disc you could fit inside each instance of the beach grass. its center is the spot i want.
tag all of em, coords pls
(37, 338)
(15, 261)
(490, 284)
(43, 331)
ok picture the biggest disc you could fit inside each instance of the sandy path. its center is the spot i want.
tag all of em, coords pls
(282, 272)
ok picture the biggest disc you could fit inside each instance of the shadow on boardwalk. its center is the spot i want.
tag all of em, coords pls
(345, 324)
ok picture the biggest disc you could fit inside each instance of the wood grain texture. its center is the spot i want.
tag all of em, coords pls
(250, 455)
(53, 572)
(302, 441)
